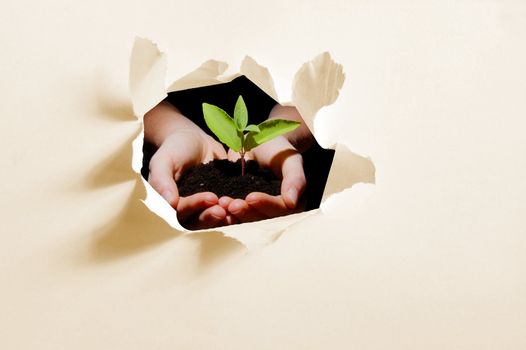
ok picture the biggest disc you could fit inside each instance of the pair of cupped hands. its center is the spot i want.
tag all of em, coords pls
(190, 146)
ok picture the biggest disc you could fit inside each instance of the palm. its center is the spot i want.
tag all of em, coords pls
(180, 151)
(287, 163)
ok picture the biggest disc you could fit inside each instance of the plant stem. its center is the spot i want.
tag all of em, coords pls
(242, 153)
(242, 162)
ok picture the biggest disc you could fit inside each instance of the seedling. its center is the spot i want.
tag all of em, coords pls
(231, 131)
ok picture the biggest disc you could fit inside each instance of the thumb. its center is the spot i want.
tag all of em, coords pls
(294, 182)
(162, 179)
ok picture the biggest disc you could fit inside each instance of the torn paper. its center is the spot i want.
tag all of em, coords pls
(316, 85)
(147, 76)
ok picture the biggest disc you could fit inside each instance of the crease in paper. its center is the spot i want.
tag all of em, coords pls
(316, 85)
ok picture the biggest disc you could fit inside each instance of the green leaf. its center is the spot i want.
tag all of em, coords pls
(252, 127)
(240, 114)
(269, 129)
(222, 126)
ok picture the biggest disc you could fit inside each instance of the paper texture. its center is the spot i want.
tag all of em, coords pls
(147, 75)
(316, 85)
(430, 257)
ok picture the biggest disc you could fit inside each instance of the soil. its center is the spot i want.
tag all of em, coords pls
(223, 178)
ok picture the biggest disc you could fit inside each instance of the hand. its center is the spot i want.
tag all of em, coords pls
(286, 162)
(180, 150)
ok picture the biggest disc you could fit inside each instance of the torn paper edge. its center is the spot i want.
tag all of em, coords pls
(316, 85)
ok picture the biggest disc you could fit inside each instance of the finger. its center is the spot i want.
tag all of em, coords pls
(217, 151)
(294, 182)
(244, 212)
(161, 178)
(271, 206)
(233, 156)
(194, 204)
(225, 201)
(210, 217)
(230, 219)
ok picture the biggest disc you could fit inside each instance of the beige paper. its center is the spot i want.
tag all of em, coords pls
(316, 85)
(147, 75)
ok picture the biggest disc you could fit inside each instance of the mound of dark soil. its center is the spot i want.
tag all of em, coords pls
(223, 178)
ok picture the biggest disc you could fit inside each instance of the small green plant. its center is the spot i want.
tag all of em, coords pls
(231, 131)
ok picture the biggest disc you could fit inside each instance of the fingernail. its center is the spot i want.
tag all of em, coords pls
(293, 195)
(238, 210)
(251, 199)
(168, 195)
(211, 199)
